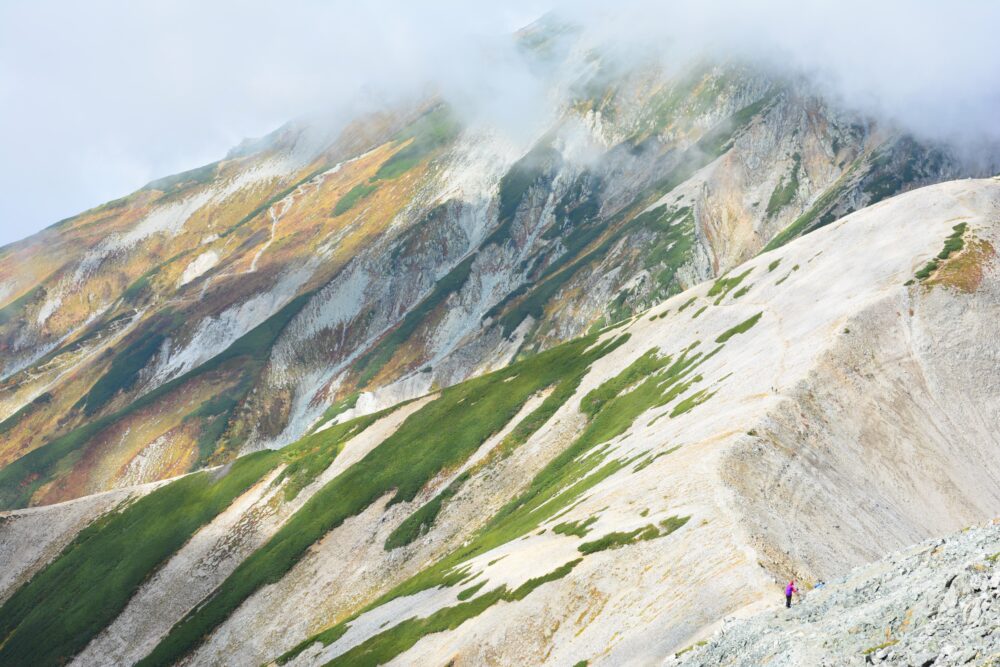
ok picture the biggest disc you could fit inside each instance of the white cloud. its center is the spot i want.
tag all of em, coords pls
(100, 97)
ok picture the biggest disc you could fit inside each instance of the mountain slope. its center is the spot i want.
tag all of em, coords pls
(567, 507)
(226, 309)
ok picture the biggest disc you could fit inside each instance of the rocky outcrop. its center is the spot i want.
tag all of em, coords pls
(934, 604)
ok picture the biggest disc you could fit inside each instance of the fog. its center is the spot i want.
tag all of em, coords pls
(98, 98)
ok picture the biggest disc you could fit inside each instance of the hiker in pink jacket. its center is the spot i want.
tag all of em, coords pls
(789, 589)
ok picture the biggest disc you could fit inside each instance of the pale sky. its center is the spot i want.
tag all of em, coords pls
(99, 97)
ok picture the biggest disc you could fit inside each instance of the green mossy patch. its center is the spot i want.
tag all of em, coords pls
(686, 304)
(649, 460)
(353, 196)
(15, 310)
(742, 327)
(691, 402)
(577, 528)
(124, 371)
(741, 291)
(421, 521)
(620, 539)
(952, 244)
(349, 402)
(785, 191)
(469, 592)
(429, 133)
(40, 401)
(723, 286)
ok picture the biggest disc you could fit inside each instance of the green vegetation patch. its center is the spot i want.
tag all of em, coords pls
(440, 436)
(313, 454)
(691, 647)
(741, 291)
(353, 196)
(124, 371)
(773, 265)
(878, 647)
(952, 244)
(52, 617)
(338, 408)
(742, 327)
(517, 183)
(40, 401)
(692, 401)
(15, 309)
(420, 521)
(620, 539)
(648, 461)
(674, 240)
(723, 286)
(578, 528)
(785, 190)
(435, 129)
(140, 288)
(470, 591)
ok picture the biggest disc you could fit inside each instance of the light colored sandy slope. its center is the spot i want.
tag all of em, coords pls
(832, 491)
